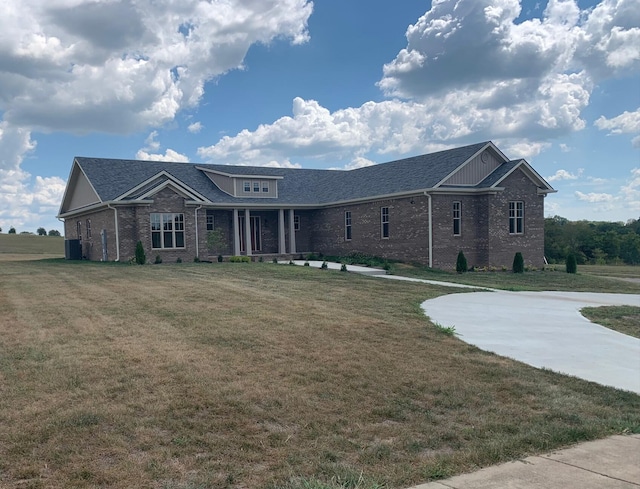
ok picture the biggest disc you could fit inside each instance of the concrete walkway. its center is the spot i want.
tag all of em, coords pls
(612, 463)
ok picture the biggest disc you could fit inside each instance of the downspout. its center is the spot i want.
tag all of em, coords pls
(115, 212)
(430, 230)
(196, 216)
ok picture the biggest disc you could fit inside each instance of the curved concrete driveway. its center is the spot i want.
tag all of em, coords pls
(546, 330)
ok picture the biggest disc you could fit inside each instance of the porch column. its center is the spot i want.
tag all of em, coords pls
(236, 234)
(292, 233)
(282, 242)
(247, 232)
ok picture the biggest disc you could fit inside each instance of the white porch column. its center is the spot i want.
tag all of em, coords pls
(247, 232)
(236, 234)
(282, 243)
(292, 233)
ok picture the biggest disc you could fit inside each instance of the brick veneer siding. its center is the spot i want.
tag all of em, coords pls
(473, 239)
(408, 230)
(502, 245)
(92, 247)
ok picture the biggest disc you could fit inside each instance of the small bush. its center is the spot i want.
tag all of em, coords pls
(324, 265)
(572, 263)
(240, 259)
(141, 258)
(179, 260)
(158, 260)
(518, 263)
(312, 256)
(275, 260)
(306, 264)
(220, 258)
(386, 267)
(343, 268)
(461, 263)
(260, 260)
(196, 259)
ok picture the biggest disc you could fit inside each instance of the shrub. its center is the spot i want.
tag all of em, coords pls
(275, 260)
(461, 263)
(518, 263)
(386, 266)
(291, 262)
(141, 258)
(196, 259)
(572, 263)
(179, 260)
(343, 268)
(158, 259)
(240, 259)
(324, 265)
(260, 260)
(220, 258)
(306, 264)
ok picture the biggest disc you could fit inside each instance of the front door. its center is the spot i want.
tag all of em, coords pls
(256, 234)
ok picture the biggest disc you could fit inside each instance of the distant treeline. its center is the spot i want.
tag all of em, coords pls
(592, 242)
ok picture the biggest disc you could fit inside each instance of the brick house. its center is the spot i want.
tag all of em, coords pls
(420, 209)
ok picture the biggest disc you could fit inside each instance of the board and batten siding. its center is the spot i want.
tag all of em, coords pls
(475, 170)
(223, 182)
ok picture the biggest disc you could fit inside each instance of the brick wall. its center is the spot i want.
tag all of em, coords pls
(408, 230)
(503, 246)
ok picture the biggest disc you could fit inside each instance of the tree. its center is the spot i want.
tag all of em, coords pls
(461, 263)
(572, 263)
(518, 263)
(54, 232)
(141, 258)
(0, 230)
(42, 232)
(12, 230)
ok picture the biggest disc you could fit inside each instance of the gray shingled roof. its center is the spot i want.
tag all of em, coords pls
(112, 178)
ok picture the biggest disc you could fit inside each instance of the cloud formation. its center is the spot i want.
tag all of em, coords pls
(123, 66)
(470, 72)
(625, 123)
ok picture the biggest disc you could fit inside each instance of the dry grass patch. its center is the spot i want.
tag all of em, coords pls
(19, 246)
(225, 375)
(625, 319)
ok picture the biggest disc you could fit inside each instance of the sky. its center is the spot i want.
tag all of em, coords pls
(327, 84)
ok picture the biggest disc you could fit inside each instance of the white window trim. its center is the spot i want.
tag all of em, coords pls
(213, 221)
(384, 221)
(457, 216)
(246, 186)
(264, 187)
(173, 231)
(348, 228)
(296, 223)
(516, 214)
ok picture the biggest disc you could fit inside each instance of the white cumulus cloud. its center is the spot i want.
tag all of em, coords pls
(195, 128)
(565, 175)
(169, 155)
(120, 66)
(594, 197)
(625, 123)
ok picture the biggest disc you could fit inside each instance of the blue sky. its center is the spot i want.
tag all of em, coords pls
(328, 84)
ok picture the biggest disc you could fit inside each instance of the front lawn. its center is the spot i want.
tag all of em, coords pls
(262, 376)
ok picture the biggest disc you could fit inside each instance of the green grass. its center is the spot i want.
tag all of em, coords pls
(31, 244)
(261, 376)
(625, 319)
(605, 279)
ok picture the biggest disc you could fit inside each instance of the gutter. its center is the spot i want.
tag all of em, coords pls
(196, 218)
(430, 229)
(115, 211)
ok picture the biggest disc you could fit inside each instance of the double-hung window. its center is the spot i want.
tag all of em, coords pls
(384, 222)
(265, 187)
(79, 230)
(296, 223)
(516, 217)
(167, 230)
(457, 218)
(210, 220)
(88, 228)
(347, 225)
(246, 186)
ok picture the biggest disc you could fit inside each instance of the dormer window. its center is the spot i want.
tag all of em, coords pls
(256, 186)
(247, 186)
(265, 187)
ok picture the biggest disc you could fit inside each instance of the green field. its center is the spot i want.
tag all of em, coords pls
(31, 244)
(263, 376)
